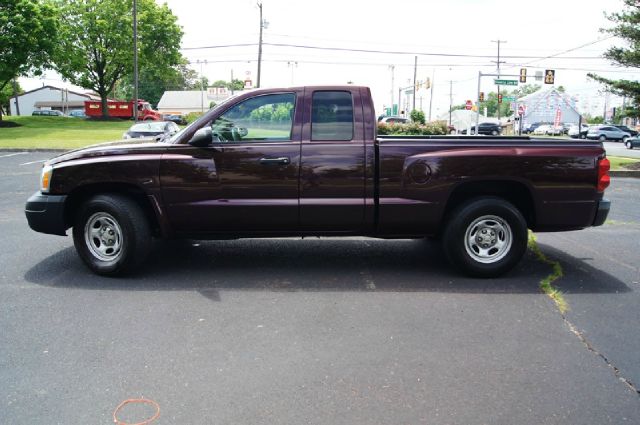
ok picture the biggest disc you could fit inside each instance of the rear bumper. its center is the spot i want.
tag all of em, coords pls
(603, 211)
(45, 213)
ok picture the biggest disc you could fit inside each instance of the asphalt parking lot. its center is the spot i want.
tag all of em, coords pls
(290, 331)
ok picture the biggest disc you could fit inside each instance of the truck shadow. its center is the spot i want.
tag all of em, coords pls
(316, 265)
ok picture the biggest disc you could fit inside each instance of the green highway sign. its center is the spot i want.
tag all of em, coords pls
(509, 98)
(506, 82)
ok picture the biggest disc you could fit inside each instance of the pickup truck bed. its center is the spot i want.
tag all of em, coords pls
(307, 161)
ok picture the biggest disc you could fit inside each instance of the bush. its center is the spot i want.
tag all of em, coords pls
(417, 116)
(192, 116)
(413, 129)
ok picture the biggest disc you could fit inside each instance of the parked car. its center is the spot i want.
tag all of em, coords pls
(528, 129)
(394, 120)
(47, 113)
(632, 132)
(176, 118)
(555, 130)
(542, 129)
(607, 132)
(486, 128)
(151, 129)
(632, 142)
(78, 113)
(576, 132)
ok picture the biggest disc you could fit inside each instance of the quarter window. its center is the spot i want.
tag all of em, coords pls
(332, 116)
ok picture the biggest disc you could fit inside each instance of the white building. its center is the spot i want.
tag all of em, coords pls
(49, 97)
(544, 105)
(184, 102)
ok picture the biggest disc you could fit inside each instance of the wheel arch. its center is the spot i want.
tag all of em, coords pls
(515, 192)
(82, 193)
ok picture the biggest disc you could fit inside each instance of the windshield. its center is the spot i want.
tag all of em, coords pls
(197, 122)
(148, 127)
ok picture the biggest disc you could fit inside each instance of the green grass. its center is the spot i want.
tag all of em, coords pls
(620, 163)
(546, 284)
(59, 132)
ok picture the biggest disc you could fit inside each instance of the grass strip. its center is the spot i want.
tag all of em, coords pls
(546, 284)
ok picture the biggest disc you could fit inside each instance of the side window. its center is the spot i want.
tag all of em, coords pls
(332, 116)
(261, 118)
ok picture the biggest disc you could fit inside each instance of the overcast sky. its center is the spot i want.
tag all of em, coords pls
(426, 28)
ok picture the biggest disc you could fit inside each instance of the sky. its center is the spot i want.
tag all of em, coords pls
(453, 41)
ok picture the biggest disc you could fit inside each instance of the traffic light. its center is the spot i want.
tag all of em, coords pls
(549, 76)
(481, 97)
(500, 98)
(523, 75)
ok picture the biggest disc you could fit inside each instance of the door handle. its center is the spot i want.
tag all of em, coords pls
(283, 160)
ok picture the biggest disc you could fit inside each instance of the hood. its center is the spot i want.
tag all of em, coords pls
(122, 147)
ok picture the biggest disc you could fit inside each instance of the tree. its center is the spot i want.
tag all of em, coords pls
(628, 28)
(6, 94)
(95, 46)
(417, 116)
(28, 32)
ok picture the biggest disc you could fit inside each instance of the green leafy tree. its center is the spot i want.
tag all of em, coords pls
(94, 49)
(417, 116)
(219, 83)
(28, 32)
(526, 90)
(627, 28)
(6, 94)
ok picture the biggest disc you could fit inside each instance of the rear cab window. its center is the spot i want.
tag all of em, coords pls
(332, 116)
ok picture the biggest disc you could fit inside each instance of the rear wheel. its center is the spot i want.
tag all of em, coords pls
(111, 234)
(485, 237)
(602, 138)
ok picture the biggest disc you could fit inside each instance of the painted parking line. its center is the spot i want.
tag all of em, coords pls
(14, 154)
(33, 162)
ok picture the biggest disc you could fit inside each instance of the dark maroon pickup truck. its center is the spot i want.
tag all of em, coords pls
(307, 161)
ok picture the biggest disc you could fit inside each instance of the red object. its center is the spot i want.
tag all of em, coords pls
(468, 105)
(556, 122)
(520, 110)
(603, 174)
(122, 109)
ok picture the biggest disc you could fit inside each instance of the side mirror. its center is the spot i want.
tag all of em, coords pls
(202, 138)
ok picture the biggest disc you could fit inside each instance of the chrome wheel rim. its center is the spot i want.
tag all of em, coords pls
(488, 239)
(103, 236)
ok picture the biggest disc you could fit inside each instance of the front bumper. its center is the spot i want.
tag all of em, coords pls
(45, 213)
(603, 211)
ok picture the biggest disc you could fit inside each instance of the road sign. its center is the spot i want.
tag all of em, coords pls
(506, 82)
(468, 105)
(521, 110)
(509, 98)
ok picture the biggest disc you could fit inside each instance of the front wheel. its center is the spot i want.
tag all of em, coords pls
(494, 133)
(602, 138)
(111, 234)
(485, 237)
(628, 144)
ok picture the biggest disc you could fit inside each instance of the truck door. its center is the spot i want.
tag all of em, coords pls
(332, 168)
(246, 180)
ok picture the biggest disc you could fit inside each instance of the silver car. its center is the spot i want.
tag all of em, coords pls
(607, 132)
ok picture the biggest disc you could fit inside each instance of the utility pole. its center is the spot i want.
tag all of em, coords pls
(15, 96)
(232, 82)
(498, 72)
(433, 78)
(135, 61)
(415, 71)
(392, 68)
(450, 98)
(262, 25)
(204, 62)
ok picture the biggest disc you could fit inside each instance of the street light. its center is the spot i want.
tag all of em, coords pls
(292, 64)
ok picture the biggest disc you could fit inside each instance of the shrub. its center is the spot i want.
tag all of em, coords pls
(192, 116)
(413, 129)
(417, 116)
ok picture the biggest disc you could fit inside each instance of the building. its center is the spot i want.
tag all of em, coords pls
(50, 97)
(544, 105)
(184, 102)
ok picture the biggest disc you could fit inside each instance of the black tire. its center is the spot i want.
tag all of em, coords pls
(506, 233)
(494, 133)
(628, 144)
(121, 234)
(602, 138)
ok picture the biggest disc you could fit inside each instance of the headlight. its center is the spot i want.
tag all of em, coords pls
(45, 178)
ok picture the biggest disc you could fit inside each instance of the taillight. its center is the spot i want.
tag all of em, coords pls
(603, 174)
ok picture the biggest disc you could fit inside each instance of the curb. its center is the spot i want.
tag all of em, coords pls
(625, 173)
